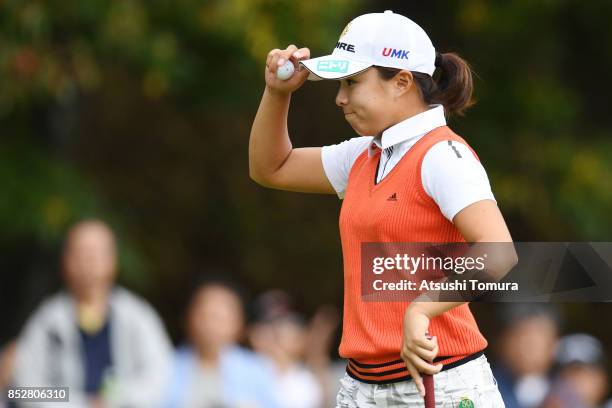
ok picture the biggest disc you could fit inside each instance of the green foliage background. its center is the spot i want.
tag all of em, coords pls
(139, 113)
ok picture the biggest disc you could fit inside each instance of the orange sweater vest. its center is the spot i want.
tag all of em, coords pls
(372, 331)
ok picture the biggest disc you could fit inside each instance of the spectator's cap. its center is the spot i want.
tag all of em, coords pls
(377, 39)
(581, 349)
(273, 306)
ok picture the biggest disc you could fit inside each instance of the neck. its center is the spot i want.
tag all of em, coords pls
(412, 109)
(208, 356)
(92, 311)
(93, 299)
(282, 361)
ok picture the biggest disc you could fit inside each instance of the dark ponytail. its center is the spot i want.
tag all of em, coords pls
(451, 85)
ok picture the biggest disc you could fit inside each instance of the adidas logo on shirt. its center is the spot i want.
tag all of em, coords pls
(392, 197)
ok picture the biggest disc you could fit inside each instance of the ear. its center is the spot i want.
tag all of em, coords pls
(403, 81)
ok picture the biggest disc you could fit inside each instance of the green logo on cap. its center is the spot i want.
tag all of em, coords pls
(339, 66)
(466, 403)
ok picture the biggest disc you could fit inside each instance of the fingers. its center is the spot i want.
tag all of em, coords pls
(277, 57)
(420, 363)
(272, 63)
(301, 54)
(271, 54)
(416, 366)
(427, 355)
(418, 357)
(416, 377)
(430, 346)
(426, 343)
(284, 56)
(423, 366)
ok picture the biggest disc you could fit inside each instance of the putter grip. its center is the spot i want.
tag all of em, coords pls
(430, 395)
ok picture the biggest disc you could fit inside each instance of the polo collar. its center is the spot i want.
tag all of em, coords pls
(413, 127)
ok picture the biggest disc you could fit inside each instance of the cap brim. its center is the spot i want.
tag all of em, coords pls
(333, 67)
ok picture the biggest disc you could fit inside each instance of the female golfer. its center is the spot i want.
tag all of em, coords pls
(408, 178)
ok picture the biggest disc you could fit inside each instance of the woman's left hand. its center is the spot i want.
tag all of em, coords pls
(418, 350)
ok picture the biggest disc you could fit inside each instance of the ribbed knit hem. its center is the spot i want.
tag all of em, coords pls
(396, 371)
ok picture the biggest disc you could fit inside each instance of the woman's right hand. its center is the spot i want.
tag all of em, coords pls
(277, 58)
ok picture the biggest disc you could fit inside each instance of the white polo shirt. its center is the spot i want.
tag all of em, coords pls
(450, 173)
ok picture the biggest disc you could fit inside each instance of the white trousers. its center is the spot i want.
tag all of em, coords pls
(470, 385)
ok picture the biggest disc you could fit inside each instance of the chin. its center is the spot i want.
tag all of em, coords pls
(359, 130)
(362, 130)
(365, 132)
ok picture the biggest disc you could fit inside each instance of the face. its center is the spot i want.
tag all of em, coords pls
(284, 339)
(368, 102)
(215, 317)
(589, 382)
(528, 346)
(89, 259)
(291, 338)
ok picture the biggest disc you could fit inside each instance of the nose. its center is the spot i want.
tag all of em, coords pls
(341, 96)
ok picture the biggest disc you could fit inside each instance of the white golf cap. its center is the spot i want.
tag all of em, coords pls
(383, 39)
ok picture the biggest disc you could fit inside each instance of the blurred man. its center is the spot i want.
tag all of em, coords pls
(103, 342)
(213, 371)
(581, 380)
(526, 353)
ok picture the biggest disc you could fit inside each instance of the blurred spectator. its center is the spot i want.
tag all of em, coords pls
(282, 335)
(213, 371)
(103, 342)
(526, 354)
(581, 380)
(7, 361)
(322, 331)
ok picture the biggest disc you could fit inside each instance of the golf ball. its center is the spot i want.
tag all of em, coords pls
(285, 71)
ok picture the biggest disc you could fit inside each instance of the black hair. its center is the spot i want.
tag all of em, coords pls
(451, 86)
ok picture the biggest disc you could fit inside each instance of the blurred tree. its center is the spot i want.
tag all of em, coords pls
(139, 112)
(541, 126)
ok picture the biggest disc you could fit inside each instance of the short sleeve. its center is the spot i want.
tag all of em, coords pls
(339, 158)
(454, 178)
